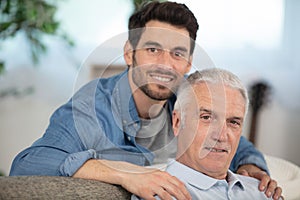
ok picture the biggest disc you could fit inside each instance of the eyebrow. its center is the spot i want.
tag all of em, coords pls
(236, 118)
(156, 44)
(212, 112)
(152, 43)
(205, 110)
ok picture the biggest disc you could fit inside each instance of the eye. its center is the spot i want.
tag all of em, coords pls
(206, 117)
(235, 123)
(153, 50)
(178, 55)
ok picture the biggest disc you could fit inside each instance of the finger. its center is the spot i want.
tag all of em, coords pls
(264, 180)
(163, 194)
(271, 188)
(177, 188)
(277, 194)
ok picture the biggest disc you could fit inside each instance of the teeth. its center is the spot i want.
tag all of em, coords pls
(163, 79)
(216, 150)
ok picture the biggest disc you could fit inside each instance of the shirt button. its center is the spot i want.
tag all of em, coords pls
(128, 138)
(135, 125)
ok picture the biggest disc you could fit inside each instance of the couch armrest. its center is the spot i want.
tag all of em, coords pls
(53, 187)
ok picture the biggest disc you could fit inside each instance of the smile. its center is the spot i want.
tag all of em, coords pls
(162, 79)
(212, 149)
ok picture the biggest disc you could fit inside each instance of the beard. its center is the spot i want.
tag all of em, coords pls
(153, 90)
(156, 95)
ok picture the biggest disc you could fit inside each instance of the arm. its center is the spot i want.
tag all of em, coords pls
(141, 181)
(250, 162)
(248, 154)
(60, 152)
(57, 153)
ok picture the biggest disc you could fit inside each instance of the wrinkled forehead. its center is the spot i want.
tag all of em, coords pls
(166, 38)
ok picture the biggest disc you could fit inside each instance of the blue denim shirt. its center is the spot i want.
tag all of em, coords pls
(100, 122)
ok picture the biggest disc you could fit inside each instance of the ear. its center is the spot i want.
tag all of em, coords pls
(176, 123)
(128, 53)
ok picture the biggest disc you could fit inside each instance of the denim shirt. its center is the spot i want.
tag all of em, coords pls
(100, 122)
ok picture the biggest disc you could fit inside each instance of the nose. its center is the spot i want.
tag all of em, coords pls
(165, 59)
(220, 134)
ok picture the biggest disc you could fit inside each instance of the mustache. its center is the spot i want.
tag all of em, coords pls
(216, 145)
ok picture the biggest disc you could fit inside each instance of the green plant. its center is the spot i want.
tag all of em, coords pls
(33, 18)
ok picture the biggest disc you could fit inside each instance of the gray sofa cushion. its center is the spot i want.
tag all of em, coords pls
(53, 187)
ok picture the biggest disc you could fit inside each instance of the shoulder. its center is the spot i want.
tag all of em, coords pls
(251, 187)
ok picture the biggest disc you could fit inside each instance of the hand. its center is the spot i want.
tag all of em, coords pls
(147, 184)
(141, 181)
(266, 183)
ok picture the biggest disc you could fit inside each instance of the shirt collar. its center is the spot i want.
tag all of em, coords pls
(234, 180)
(198, 179)
(124, 107)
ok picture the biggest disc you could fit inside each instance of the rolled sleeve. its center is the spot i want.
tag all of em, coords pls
(75, 160)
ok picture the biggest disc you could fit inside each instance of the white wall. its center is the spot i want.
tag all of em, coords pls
(24, 120)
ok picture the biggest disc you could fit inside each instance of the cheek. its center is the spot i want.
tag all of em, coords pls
(180, 69)
(235, 139)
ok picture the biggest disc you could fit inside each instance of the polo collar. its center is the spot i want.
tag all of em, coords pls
(200, 180)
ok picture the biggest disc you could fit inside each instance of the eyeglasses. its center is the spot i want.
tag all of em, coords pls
(177, 54)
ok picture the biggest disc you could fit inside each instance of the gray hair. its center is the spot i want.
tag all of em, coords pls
(211, 75)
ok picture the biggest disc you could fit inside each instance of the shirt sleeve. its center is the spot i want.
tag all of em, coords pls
(48, 161)
(248, 154)
(60, 152)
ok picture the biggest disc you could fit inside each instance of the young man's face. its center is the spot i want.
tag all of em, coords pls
(160, 60)
(214, 127)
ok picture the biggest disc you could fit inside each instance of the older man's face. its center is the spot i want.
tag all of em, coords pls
(215, 125)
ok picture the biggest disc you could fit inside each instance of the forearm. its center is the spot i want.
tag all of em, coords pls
(143, 182)
(113, 172)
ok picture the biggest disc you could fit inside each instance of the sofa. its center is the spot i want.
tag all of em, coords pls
(53, 187)
(50, 187)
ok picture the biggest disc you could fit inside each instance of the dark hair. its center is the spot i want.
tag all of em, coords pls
(170, 12)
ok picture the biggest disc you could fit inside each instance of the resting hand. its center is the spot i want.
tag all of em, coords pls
(155, 182)
(266, 183)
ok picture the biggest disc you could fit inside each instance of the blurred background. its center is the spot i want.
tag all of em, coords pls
(258, 40)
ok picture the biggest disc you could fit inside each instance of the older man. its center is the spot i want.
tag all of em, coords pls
(208, 119)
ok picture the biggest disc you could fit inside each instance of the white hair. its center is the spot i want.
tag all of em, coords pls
(211, 75)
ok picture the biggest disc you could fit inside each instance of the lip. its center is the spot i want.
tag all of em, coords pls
(216, 149)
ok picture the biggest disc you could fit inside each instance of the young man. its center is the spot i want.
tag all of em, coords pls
(207, 120)
(113, 126)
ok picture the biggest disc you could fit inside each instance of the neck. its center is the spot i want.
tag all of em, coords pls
(216, 174)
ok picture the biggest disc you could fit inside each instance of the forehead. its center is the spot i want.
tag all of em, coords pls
(219, 98)
(167, 35)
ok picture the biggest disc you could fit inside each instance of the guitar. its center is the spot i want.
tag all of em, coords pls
(259, 96)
